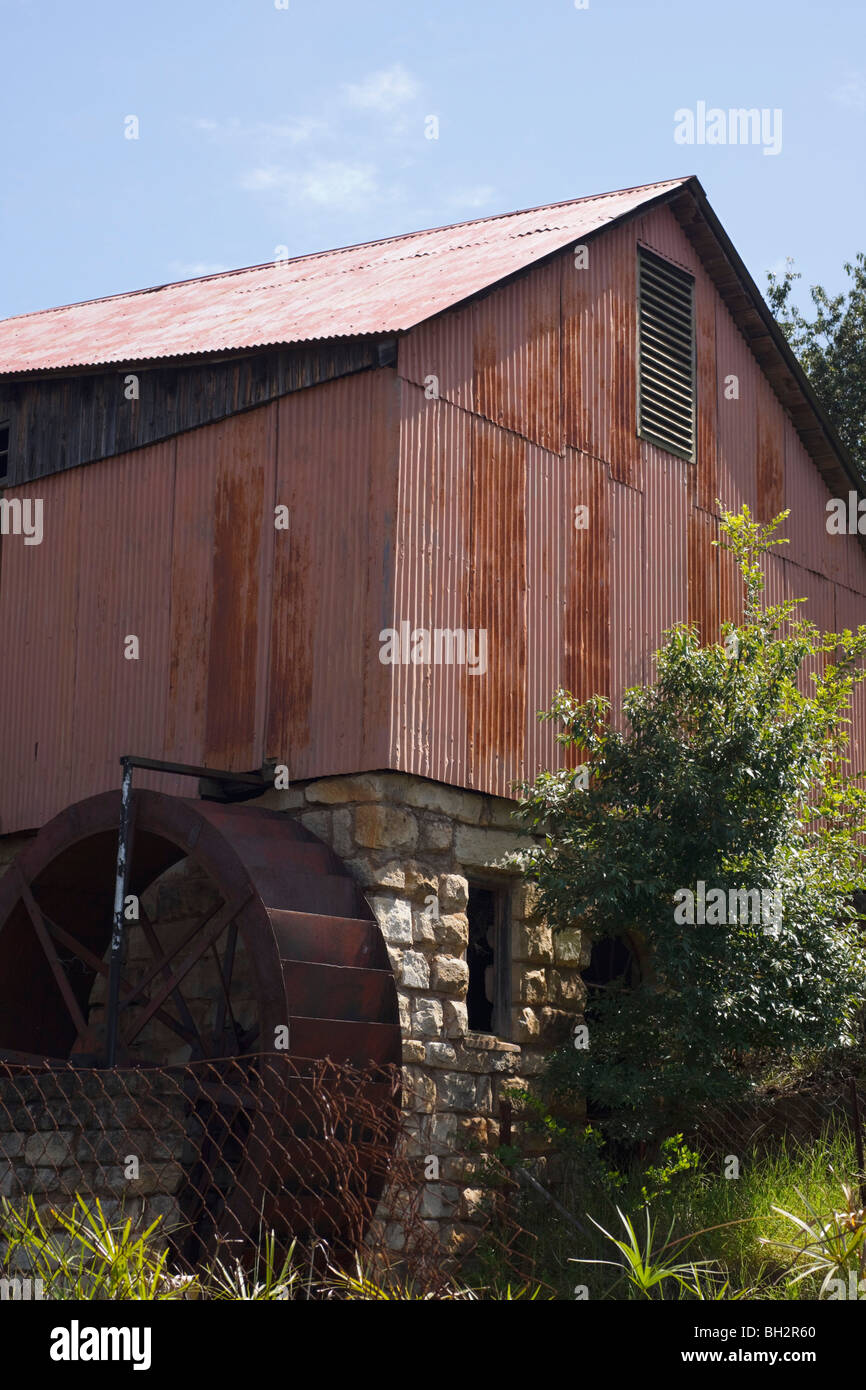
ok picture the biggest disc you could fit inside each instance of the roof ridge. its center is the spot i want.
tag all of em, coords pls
(352, 246)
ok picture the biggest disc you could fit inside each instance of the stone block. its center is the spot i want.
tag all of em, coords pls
(488, 849)
(568, 947)
(530, 986)
(52, 1148)
(423, 927)
(525, 900)
(373, 875)
(533, 944)
(426, 1016)
(440, 1054)
(336, 790)
(420, 1090)
(436, 834)
(456, 1091)
(447, 801)
(421, 883)
(525, 1025)
(451, 933)
(394, 916)
(453, 892)
(450, 975)
(415, 970)
(454, 1017)
(385, 827)
(342, 838)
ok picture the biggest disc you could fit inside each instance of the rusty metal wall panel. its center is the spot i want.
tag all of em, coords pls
(703, 575)
(770, 457)
(429, 733)
(439, 356)
(496, 701)
(627, 592)
(547, 574)
(123, 583)
(38, 610)
(737, 471)
(599, 327)
(806, 495)
(587, 633)
(706, 477)
(498, 357)
(516, 356)
(666, 534)
(337, 456)
(243, 540)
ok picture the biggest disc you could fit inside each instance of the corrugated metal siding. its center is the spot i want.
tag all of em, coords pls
(498, 357)
(586, 668)
(627, 592)
(770, 458)
(666, 567)
(428, 716)
(38, 621)
(737, 472)
(440, 356)
(599, 324)
(263, 644)
(496, 702)
(704, 603)
(516, 357)
(334, 576)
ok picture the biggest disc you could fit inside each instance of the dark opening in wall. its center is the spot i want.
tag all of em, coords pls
(612, 965)
(488, 957)
(4, 449)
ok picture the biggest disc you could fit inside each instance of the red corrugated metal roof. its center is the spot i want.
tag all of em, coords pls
(379, 287)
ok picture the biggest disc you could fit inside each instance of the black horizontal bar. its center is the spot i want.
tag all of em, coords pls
(252, 779)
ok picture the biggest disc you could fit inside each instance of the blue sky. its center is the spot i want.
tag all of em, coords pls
(262, 127)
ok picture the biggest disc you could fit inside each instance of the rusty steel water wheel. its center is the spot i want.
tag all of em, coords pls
(316, 965)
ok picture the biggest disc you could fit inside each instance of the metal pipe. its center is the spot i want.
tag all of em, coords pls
(117, 934)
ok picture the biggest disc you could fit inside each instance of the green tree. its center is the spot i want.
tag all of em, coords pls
(831, 348)
(719, 775)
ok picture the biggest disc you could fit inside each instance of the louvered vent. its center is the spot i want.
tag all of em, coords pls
(666, 355)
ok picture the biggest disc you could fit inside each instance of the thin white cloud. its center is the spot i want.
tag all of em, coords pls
(293, 132)
(192, 270)
(385, 91)
(851, 93)
(327, 183)
(477, 197)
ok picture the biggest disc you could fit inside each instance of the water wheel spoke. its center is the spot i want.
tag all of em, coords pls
(62, 979)
(97, 964)
(190, 1030)
(159, 965)
(225, 970)
(217, 926)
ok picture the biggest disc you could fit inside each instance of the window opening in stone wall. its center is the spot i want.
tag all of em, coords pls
(488, 959)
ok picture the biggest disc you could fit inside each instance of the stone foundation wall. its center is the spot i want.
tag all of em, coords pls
(413, 846)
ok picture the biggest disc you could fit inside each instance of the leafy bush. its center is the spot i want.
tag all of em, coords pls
(726, 773)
